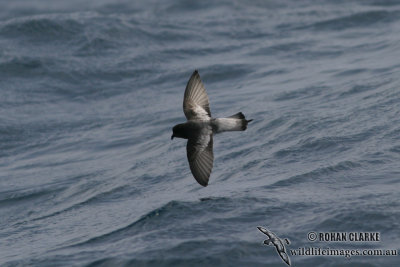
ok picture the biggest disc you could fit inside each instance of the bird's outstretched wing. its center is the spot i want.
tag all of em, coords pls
(266, 232)
(196, 105)
(200, 156)
(284, 257)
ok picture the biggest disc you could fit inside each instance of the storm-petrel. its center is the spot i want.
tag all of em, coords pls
(200, 127)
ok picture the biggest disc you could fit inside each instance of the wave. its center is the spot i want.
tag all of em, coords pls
(172, 212)
(328, 143)
(302, 93)
(42, 27)
(88, 100)
(359, 19)
(318, 174)
(380, 220)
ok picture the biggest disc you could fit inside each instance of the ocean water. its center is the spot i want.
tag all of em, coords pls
(89, 92)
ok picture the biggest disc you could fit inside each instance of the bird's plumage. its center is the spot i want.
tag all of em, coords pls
(200, 127)
(196, 105)
(200, 156)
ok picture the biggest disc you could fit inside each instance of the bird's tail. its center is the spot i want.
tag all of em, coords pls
(236, 122)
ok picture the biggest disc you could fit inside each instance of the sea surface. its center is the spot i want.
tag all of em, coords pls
(89, 92)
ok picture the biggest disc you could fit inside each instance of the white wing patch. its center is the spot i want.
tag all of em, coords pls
(196, 105)
(198, 113)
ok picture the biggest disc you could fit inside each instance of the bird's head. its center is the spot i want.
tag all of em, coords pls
(179, 131)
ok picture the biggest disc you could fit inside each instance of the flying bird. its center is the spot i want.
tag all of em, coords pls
(200, 128)
(277, 242)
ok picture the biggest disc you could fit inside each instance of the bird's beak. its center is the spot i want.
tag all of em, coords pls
(172, 137)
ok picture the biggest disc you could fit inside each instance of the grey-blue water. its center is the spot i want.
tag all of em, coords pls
(89, 92)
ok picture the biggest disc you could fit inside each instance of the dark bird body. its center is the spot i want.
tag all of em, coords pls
(200, 128)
